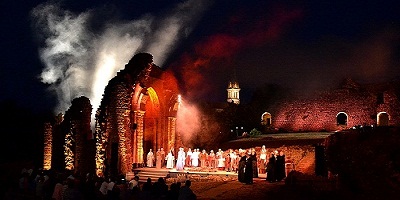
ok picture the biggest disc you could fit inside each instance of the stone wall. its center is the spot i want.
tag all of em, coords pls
(77, 118)
(76, 125)
(318, 112)
(299, 158)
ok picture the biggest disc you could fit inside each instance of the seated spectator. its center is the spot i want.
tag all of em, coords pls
(186, 193)
(173, 192)
(147, 186)
(160, 189)
(72, 191)
(134, 186)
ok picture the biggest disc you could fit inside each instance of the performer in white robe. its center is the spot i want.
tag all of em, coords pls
(170, 160)
(221, 159)
(180, 161)
(263, 160)
(150, 158)
(195, 158)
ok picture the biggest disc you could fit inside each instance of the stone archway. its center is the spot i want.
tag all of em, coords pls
(152, 137)
(134, 115)
(266, 119)
(382, 119)
(341, 119)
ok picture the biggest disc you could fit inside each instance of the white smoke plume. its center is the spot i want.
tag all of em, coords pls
(79, 61)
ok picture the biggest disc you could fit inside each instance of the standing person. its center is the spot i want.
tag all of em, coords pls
(235, 162)
(163, 160)
(254, 162)
(195, 158)
(248, 172)
(203, 158)
(242, 167)
(232, 158)
(271, 168)
(186, 193)
(150, 158)
(188, 159)
(170, 159)
(280, 166)
(227, 160)
(221, 159)
(180, 161)
(159, 160)
(263, 159)
(211, 159)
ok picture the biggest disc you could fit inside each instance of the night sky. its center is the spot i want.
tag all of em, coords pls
(53, 52)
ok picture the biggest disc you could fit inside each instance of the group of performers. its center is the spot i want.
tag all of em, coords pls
(238, 161)
(194, 159)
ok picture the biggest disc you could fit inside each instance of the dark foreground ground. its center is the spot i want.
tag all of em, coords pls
(261, 189)
(317, 188)
(235, 190)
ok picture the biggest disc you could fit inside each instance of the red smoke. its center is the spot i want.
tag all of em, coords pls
(169, 80)
(222, 46)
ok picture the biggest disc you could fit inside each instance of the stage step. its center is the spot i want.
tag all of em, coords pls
(143, 175)
(155, 174)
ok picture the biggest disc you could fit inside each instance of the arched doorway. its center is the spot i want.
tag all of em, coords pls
(152, 121)
(382, 119)
(266, 119)
(341, 119)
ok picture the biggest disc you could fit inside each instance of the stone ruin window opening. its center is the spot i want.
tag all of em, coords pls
(341, 118)
(266, 119)
(382, 119)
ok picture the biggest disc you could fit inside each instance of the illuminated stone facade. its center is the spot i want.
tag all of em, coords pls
(134, 117)
(137, 113)
(68, 140)
(48, 145)
(343, 108)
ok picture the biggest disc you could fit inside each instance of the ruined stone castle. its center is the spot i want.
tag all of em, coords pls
(138, 113)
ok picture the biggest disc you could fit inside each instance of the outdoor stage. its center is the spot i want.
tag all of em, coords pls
(154, 173)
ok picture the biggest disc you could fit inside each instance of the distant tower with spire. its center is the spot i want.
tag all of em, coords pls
(233, 90)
